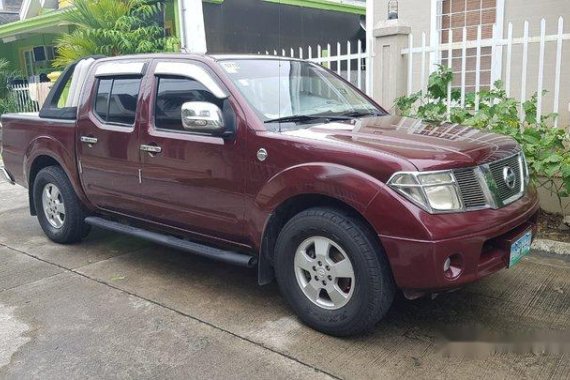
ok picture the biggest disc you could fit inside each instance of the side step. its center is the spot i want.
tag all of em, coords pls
(173, 242)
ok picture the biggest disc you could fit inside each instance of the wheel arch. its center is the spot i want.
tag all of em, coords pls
(39, 163)
(287, 210)
(44, 152)
(303, 186)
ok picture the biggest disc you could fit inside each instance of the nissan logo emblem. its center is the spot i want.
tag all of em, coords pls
(509, 177)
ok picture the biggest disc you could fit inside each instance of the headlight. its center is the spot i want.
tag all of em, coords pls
(434, 191)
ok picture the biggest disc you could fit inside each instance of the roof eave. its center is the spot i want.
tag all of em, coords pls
(35, 23)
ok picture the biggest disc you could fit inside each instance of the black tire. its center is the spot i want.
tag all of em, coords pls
(374, 287)
(73, 227)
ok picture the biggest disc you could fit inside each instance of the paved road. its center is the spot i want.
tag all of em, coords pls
(114, 306)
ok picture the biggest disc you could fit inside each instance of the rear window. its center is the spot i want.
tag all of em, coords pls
(116, 100)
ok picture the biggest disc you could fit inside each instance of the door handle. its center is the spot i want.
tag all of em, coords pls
(89, 140)
(152, 149)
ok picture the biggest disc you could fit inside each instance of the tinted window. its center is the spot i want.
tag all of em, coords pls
(116, 100)
(102, 100)
(172, 94)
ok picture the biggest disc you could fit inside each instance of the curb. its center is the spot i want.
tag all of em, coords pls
(551, 248)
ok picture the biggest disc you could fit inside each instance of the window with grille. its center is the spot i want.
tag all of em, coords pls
(454, 15)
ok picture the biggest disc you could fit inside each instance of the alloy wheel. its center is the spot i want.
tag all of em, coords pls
(324, 272)
(53, 205)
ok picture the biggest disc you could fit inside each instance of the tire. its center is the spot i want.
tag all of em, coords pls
(65, 224)
(347, 305)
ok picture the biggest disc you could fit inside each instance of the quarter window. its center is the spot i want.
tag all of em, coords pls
(172, 93)
(116, 100)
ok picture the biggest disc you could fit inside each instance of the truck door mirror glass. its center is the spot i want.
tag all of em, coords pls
(202, 117)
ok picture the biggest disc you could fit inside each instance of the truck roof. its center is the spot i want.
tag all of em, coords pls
(215, 57)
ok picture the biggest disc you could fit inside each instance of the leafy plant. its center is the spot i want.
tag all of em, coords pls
(546, 148)
(7, 100)
(112, 27)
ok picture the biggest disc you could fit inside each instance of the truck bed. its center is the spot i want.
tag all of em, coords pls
(22, 137)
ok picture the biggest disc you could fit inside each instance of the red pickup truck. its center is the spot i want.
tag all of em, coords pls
(277, 164)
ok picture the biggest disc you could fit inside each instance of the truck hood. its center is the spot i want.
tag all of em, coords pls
(428, 146)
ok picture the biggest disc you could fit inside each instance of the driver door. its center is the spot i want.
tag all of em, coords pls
(192, 181)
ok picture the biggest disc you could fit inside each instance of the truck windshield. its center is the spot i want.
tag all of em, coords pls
(295, 93)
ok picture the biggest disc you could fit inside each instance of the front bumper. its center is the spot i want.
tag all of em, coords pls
(418, 265)
(4, 173)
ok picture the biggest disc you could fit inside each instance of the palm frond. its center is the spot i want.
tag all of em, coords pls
(112, 27)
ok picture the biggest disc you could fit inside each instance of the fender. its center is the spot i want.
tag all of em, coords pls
(346, 184)
(48, 146)
(372, 198)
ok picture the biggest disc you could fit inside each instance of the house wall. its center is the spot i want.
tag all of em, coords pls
(13, 51)
(516, 12)
(418, 15)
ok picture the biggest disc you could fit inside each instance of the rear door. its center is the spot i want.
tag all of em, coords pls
(108, 146)
(193, 181)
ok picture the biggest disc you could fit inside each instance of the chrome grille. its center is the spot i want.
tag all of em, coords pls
(502, 190)
(485, 185)
(472, 194)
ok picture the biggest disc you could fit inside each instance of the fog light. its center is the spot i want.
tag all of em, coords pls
(447, 264)
(453, 266)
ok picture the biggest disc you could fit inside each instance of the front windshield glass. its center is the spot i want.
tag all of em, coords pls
(279, 89)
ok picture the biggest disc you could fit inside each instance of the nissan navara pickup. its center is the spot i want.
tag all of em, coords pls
(276, 164)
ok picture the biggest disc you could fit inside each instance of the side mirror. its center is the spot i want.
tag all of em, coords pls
(202, 117)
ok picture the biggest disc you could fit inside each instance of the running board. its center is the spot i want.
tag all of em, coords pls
(229, 257)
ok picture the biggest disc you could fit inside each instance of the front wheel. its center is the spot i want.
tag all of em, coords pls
(59, 211)
(333, 272)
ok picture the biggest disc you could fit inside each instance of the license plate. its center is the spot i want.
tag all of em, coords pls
(520, 248)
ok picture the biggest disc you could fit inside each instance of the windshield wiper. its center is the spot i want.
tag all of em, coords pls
(361, 114)
(292, 119)
(304, 118)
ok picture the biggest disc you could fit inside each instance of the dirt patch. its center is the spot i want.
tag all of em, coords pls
(550, 227)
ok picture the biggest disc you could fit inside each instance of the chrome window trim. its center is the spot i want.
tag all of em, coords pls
(120, 68)
(192, 71)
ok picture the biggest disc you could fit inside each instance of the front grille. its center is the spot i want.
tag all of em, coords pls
(497, 169)
(471, 193)
(475, 183)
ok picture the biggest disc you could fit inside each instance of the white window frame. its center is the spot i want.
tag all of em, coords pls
(497, 59)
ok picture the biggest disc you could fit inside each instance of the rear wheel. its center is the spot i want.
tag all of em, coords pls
(60, 213)
(333, 272)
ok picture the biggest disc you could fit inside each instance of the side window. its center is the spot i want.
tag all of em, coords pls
(172, 93)
(102, 99)
(116, 100)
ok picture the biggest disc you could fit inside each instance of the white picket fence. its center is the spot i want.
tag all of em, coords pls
(499, 70)
(342, 58)
(25, 98)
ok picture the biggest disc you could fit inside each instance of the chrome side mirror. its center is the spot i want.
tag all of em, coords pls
(202, 117)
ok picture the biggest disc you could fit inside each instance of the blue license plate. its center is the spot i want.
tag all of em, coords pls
(520, 248)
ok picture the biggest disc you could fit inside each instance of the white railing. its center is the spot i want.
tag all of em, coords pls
(349, 60)
(510, 72)
(26, 99)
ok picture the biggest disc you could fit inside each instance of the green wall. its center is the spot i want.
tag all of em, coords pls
(11, 51)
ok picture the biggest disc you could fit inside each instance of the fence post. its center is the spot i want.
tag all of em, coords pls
(389, 65)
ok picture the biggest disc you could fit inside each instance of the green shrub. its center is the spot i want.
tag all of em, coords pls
(7, 101)
(547, 149)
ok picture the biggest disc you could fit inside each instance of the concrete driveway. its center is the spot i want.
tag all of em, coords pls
(117, 307)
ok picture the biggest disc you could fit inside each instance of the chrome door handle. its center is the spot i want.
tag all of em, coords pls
(153, 149)
(89, 140)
